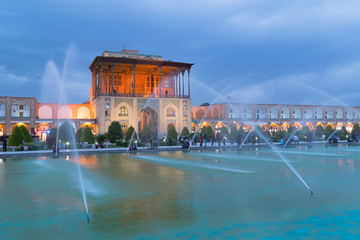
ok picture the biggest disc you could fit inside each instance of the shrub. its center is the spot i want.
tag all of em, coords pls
(129, 133)
(146, 134)
(173, 135)
(78, 135)
(119, 143)
(66, 132)
(101, 138)
(185, 132)
(26, 133)
(115, 132)
(16, 137)
(88, 136)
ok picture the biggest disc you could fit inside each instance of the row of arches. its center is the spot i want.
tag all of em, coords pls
(284, 112)
(64, 112)
(273, 127)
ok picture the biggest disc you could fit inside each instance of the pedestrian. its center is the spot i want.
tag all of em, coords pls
(205, 139)
(5, 145)
(212, 140)
(201, 140)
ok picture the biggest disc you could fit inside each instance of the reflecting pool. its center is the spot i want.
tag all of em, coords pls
(250, 194)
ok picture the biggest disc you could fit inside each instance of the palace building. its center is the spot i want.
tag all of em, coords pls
(136, 89)
(131, 88)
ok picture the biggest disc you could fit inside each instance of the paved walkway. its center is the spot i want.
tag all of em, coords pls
(140, 149)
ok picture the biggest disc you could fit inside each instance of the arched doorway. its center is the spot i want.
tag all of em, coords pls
(41, 130)
(285, 126)
(273, 128)
(193, 127)
(20, 124)
(310, 126)
(2, 130)
(150, 117)
(298, 126)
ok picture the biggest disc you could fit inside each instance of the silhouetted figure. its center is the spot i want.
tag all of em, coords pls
(5, 145)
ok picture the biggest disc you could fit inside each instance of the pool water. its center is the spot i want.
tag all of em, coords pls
(248, 194)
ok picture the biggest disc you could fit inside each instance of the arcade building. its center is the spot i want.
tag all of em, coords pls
(138, 89)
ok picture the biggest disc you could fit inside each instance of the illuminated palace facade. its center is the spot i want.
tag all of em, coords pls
(137, 90)
(272, 117)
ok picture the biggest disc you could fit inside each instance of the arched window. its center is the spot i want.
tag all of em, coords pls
(123, 111)
(21, 107)
(170, 112)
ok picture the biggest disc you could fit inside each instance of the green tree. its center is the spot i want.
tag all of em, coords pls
(233, 132)
(356, 129)
(205, 104)
(101, 138)
(115, 132)
(319, 131)
(129, 133)
(224, 131)
(208, 130)
(78, 135)
(291, 129)
(88, 136)
(146, 134)
(26, 133)
(328, 130)
(66, 132)
(173, 134)
(51, 139)
(185, 132)
(16, 137)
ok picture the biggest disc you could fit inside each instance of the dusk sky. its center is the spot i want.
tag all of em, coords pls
(282, 52)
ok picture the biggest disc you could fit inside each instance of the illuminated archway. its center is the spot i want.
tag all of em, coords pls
(247, 128)
(193, 127)
(319, 123)
(218, 126)
(2, 130)
(339, 126)
(42, 130)
(204, 124)
(124, 128)
(349, 127)
(273, 127)
(263, 126)
(285, 126)
(20, 124)
(331, 125)
(297, 126)
(235, 124)
(310, 126)
(90, 125)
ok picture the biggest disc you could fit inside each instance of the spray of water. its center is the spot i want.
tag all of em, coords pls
(291, 136)
(53, 77)
(284, 160)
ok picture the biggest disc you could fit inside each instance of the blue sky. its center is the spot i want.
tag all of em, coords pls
(282, 52)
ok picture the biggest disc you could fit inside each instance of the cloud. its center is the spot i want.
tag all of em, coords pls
(334, 86)
(9, 78)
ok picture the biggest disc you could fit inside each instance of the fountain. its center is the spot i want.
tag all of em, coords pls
(53, 75)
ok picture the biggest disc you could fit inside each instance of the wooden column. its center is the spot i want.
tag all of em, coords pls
(189, 82)
(160, 80)
(134, 79)
(183, 84)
